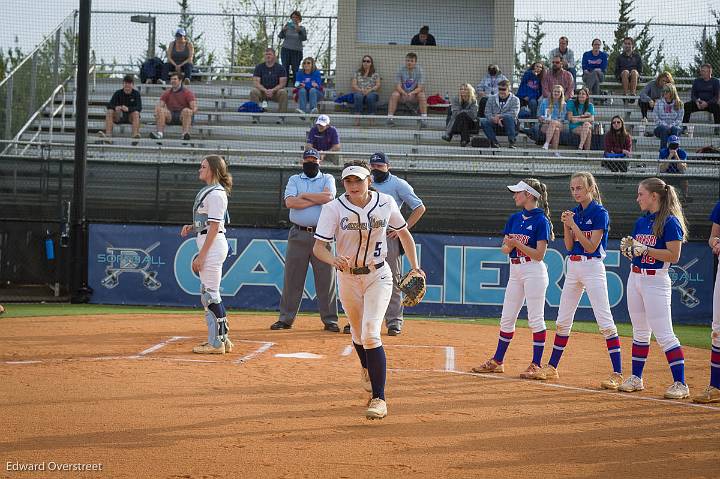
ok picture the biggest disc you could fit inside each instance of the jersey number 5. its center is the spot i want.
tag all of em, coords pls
(378, 249)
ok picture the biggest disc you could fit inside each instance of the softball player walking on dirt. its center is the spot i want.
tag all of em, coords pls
(358, 221)
(656, 243)
(712, 391)
(585, 232)
(209, 218)
(527, 233)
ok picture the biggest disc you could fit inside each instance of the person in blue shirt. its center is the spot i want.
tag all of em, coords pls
(552, 114)
(675, 162)
(711, 394)
(309, 84)
(594, 65)
(585, 233)
(661, 230)
(581, 114)
(530, 89)
(403, 193)
(305, 194)
(527, 234)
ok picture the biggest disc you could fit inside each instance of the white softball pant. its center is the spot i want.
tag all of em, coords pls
(365, 299)
(528, 281)
(585, 276)
(716, 312)
(211, 272)
(648, 301)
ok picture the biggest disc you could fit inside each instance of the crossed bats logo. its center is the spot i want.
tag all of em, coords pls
(131, 260)
(680, 277)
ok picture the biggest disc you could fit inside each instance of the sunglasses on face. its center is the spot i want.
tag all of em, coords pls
(502, 89)
(617, 123)
(367, 61)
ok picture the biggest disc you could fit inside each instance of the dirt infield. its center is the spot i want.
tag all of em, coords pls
(126, 393)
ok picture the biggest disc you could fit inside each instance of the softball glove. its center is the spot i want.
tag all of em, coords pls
(413, 287)
(630, 247)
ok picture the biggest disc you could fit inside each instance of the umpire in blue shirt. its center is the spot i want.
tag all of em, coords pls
(386, 182)
(305, 194)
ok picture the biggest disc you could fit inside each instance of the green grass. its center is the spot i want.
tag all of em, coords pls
(689, 335)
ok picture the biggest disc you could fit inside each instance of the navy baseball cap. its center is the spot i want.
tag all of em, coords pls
(673, 139)
(311, 152)
(378, 157)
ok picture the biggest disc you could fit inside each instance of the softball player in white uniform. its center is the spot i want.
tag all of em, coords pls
(712, 391)
(358, 222)
(662, 230)
(527, 233)
(209, 217)
(585, 235)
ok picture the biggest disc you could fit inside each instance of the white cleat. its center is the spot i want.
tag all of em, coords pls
(677, 390)
(632, 384)
(377, 409)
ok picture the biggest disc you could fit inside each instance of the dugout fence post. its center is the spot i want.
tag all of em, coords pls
(79, 292)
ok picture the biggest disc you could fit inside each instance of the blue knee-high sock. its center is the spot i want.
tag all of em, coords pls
(539, 346)
(676, 360)
(715, 367)
(218, 309)
(613, 347)
(558, 347)
(376, 364)
(639, 356)
(361, 354)
(503, 343)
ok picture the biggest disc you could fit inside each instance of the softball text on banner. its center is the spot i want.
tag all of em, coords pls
(150, 265)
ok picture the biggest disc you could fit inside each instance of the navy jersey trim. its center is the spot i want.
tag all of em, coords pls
(357, 253)
(367, 245)
(319, 236)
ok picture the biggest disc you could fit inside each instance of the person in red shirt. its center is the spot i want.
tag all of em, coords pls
(176, 107)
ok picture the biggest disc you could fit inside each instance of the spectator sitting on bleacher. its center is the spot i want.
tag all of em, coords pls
(501, 112)
(552, 114)
(488, 86)
(668, 114)
(176, 107)
(270, 80)
(618, 144)
(581, 114)
(704, 96)
(594, 65)
(628, 67)
(463, 115)
(180, 53)
(309, 83)
(530, 89)
(124, 107)
(557, 76)
(566, 55)
(324, 138)
(675, 163)
(424, 38)
(291, 53)
(651, 92)
(410, 88)
(365, 85)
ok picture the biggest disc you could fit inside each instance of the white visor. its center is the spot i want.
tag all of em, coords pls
(522, 186)
(355, 170)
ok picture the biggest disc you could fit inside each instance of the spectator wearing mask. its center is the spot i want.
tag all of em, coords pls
(488, 86)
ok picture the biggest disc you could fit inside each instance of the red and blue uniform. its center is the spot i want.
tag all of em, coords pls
(643, 232)
(594, 217)
(528, 227)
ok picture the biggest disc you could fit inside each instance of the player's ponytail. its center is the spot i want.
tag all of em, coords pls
(590, 184)
(542, 201)
(669, 205)
(220, 172)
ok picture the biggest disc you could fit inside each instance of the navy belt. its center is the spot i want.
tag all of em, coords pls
(366, 269)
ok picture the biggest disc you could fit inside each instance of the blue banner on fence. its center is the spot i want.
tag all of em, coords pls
(150, 265)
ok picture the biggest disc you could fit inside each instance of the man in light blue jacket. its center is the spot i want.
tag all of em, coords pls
(501, 111)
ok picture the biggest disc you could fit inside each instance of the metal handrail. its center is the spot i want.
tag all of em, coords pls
(40, 45)
(50, 101)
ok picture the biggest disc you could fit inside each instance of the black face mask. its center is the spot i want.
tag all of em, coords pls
(492, 71)
(311, 169)
(379, 176)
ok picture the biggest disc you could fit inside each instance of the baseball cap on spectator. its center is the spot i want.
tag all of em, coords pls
(355, 170)
(673, 139)
(323, 120)
(379, 158)
(522, 186)
(180, 32)
(311, 152)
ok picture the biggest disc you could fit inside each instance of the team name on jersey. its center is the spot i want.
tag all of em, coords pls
(346, 224)
(646, 239)
(524, 239)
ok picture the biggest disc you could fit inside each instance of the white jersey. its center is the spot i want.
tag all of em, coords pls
(214, 206)
(360, 232)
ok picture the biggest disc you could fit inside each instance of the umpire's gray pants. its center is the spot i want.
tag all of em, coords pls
(394, 313)
(299, 255)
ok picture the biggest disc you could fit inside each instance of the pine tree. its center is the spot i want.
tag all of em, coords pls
(708, 48)
(652, 57)
(531, 47)
(202, 56)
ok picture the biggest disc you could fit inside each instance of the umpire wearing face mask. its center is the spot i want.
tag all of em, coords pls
(403, 193)
(305, 194)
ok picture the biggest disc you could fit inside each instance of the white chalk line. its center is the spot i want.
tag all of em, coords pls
(614, 395)
(265, 345)
(161, 345)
